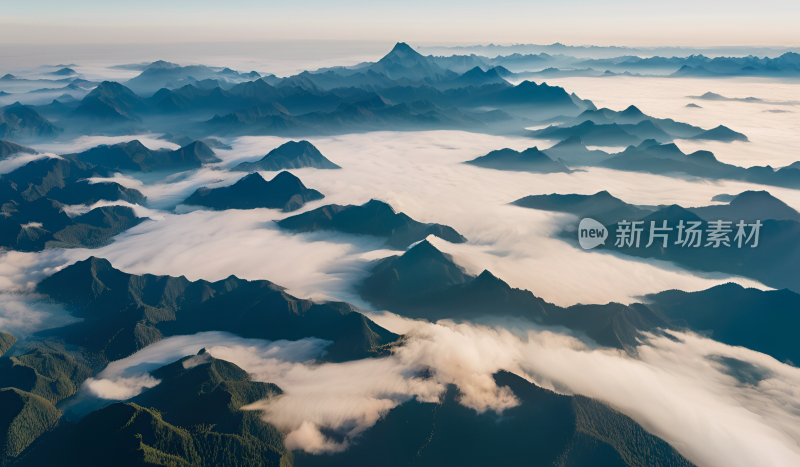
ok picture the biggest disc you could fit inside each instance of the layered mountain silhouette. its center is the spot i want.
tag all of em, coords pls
(477, 77)
(86, 192)
(531, 97)
(184, 140)
(749, 206)
(426, 283)
(110, 103)
(404, 90)
(633, 116)
(529, 160)
(40, 224)
(721, 133)
(700, 66)
(21, 123)
(574, 153)
(161, 74)
(134, 156)
(66, 71)
(761, 320)
(771, 262)
(33, 197)
(404, 62)
(285, 192)
(37, 178)
(372, 218)
(712, 96)
(591, 133)
(606, 127)
(290, 155)
(123, 313)
(362, 115)
(668, 159)
(601, 206)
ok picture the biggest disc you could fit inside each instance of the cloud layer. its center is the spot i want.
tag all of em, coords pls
(718, 405)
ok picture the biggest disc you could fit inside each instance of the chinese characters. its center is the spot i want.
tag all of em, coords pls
(689, 234)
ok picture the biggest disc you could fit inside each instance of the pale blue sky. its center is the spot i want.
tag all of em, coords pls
(422, 22)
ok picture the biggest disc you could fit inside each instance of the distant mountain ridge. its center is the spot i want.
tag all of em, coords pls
(403, 90)
(529, 160)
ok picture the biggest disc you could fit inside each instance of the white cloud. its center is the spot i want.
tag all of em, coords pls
(119, 388)
(13, 163)
(677, 388)
(23, 314)
(83, 143)
(423, 177)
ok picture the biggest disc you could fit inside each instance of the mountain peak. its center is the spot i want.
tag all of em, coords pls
(289, 155)
(758, 198)
(163, 65)
(571, 141)
(403, 48)
(632, 110)
(196, 150)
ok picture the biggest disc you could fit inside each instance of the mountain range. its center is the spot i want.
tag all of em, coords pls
(33, 199)
(133, 156)
(289, 155)
(650, 156)
(195, 417)
(606, 127)
(426, 283)
(371, 218)
(284, 191)
(529, 160)
(21, 123)
(544, 429)
(771, 262)
(122, 313)
(668, 159)
(404, 90)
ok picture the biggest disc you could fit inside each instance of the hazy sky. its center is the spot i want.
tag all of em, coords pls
(420, 22)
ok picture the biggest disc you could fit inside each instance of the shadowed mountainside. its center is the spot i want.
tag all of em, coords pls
(371, 218)
(285, 192)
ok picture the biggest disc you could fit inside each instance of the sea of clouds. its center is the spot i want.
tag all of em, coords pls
(680, 389)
